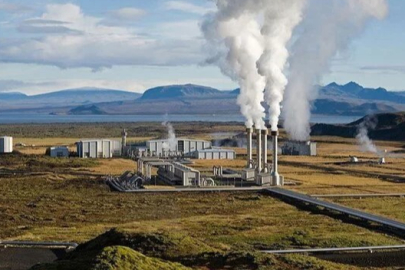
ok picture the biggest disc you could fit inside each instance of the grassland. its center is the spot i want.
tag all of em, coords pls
(66, 199)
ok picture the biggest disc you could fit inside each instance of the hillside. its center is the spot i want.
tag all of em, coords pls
(389, 126)
(86, 109)
(63, 98)
(180, 91)
(12, 96)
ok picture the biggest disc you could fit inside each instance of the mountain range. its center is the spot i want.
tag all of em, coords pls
(333, 99)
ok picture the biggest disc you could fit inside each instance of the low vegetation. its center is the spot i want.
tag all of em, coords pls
(120, 250)
(108, 130)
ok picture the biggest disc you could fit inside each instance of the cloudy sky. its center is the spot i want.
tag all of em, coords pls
(48, 45)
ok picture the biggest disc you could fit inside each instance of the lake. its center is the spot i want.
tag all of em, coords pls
(46, 118)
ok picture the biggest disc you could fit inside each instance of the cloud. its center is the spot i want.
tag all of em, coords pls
(385, 68)
(182, 29)
(13, 8)
(46, 26)
(19, 86)
(188, 7)
(128, 14)
(68, 38)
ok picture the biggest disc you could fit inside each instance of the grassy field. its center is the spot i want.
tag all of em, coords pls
(66, 199)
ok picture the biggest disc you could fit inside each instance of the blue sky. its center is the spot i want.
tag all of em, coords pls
(134, 45)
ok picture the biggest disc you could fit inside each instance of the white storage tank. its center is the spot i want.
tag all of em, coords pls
(6, 144)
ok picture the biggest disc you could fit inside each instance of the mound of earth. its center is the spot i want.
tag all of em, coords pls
(161, 245)
(117, 249)
(387, 126)
(112, 258)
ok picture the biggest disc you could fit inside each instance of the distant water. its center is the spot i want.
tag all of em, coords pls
(46, 118)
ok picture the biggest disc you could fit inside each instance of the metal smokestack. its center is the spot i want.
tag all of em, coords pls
(259, 150)
(274, 174)
(124, 135)
(249, 133)
(264, 149)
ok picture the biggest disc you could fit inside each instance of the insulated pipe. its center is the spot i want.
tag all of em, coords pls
(259, 150)
(264, 149)
(249, 132)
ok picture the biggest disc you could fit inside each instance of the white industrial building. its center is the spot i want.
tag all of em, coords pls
(215, 153)
(98, 148)
(297, 148)
(177, 147)
(58, 151)
(6, 145)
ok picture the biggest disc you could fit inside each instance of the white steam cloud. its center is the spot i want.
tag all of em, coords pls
(235, 42)
(171, 137)
(364, 141)
(249, 40)
(328, 29)
(280, 19)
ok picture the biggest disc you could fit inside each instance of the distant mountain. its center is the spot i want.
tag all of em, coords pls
(333, 99)
(12, 96)
(180, 91)
(389, 126)
(336, 107)
(63, 98)
(353, 90)
(85, 95)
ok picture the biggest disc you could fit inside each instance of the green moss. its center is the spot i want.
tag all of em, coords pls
(119, 257)
(162, 245)
(112, 258)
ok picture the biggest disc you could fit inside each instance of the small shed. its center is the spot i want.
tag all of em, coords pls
(58, 151)
(298, 148)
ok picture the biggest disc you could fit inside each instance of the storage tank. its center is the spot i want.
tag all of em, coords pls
(6, 144)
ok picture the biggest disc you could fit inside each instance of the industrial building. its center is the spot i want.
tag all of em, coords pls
(58, 151)
(6, 145)
(215, 153)
(298, 148)
(177, 147)
(98, 148)
(170, 172)
(180, 175)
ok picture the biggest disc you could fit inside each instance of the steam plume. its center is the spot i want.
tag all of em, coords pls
(328, 28)
(280, 19)
(171, 136)
(235, 42)
(366, 144)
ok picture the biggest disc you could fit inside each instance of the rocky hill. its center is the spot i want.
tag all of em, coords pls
(388, 126)
(180, 91)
